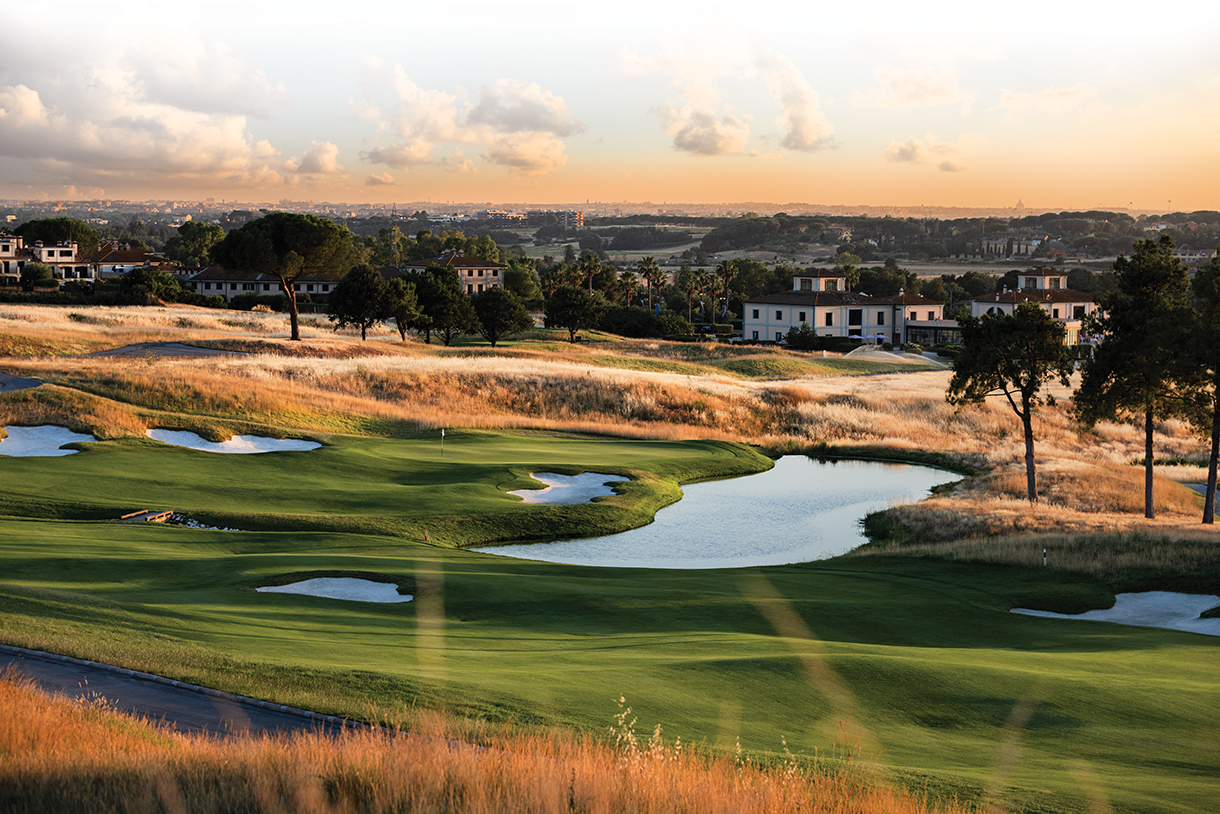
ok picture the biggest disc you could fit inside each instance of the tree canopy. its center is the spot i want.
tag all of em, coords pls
(289, 246)
(55, 230)
(361, 299)
(193, 244)
(1142, 367)
(1013, 355)
(573, 309)
(500, 313)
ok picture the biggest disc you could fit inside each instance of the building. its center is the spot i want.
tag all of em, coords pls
(474, 273)
(819, 300)
(114, 258)
(61, 257)
(217, 282)
(1048, 288)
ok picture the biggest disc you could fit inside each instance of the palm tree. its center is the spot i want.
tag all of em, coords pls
(629, 283)
(706, 283)
(590, 264)
(726, 272)
(652, 273)
(688, 284)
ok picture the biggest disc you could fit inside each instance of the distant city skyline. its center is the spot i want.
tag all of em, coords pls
(1058, 105)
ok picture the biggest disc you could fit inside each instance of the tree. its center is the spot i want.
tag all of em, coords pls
(500, 313)
(289, 246)
(37, 275)
(403, 305)
(445, 308)
(1142, 367)
(145, 286)
(58, 230)
(1206, 288)
(360, 299)
(572, 308)
(652, 275)
(629, 283)
(1013, 356)
(193, 243)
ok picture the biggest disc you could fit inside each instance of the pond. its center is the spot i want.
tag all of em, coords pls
(799, 511)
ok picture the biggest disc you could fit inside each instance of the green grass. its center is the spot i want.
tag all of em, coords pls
(920, 656)
(929, 664)
(405, 487)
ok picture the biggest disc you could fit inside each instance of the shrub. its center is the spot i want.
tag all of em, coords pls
(630, 320)
(913, 347)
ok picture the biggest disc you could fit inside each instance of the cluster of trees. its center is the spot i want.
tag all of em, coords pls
(1159, 358)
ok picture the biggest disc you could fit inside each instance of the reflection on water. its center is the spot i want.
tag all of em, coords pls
(799, 511)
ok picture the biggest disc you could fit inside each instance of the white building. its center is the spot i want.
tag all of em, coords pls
(820, 300)
(1048, 288)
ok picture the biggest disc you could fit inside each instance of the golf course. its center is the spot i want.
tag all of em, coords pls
(915, 663)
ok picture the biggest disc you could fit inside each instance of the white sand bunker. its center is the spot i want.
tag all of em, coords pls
(237, 445)
(1166, 609)
(41, 442)
(568, 489)
(349, 588)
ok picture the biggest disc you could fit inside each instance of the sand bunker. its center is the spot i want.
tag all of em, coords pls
(568, 489)
(1166, 609)
(349, 588)
(237, 445)
(41, 442)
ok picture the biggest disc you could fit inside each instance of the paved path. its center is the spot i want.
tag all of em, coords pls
(8, 383)
(176, 349)
(185, 706)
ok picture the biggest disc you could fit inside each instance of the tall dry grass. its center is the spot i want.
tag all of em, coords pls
(57, 755)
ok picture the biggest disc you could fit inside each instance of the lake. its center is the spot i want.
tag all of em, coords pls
(799, 511)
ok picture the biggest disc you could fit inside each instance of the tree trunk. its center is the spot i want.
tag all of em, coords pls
(363, 331)
(1209, 495)
(1149, 511)
(293, 319)
(1031, 483)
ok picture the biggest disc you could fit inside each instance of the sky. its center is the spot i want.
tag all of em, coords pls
(1063, 104)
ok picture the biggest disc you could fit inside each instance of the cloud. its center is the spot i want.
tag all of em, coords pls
(1050, 99)
(917, 86)
(320, 159)
(519, 125)
(203, 78)
(380, 179)
(805, 127)
(943, 154)
(701, 133)
(105, 130)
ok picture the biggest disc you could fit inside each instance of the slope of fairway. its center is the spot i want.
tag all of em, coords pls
(457, 496)
(922, 659)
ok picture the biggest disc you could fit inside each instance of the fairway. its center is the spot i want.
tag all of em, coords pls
(935, 680)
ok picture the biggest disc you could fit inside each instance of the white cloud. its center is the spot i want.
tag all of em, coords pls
(320, 159)
(804, 125)
(1049, 99)
(701, 133)
(519, 125)
(380, 179)
(945, 155)
(105, 129)
(205, 79)
(916, 86)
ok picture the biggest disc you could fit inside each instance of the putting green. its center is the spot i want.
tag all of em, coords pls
(935, 678)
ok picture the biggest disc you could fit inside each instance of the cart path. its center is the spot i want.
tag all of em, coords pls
(187, 707)
(175, 349)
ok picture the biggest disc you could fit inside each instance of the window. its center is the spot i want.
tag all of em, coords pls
(469, 288)
(266, 286)
(801, 316)
(914, 316)
(247, 286)
(232, 286)
(832, 285)
(830, 319)
(931, 316)
(207, 286)
(495, 272)
(755, 317)
(1053, 282)
(480, 288)
(779, 314)
(309, 287)
(855, 316)
(880, 317)
(1078, 311)
(806, 284)
(1055, 313)
(480, 272)
(469, 272)
(754, 333)
(1031, 282)
(326, 288)
(779, 337)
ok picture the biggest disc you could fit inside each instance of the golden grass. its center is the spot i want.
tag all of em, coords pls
(57, 755)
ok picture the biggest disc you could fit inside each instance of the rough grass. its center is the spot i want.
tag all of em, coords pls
(132, 763)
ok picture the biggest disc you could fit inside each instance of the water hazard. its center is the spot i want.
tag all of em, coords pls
(799, 511)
